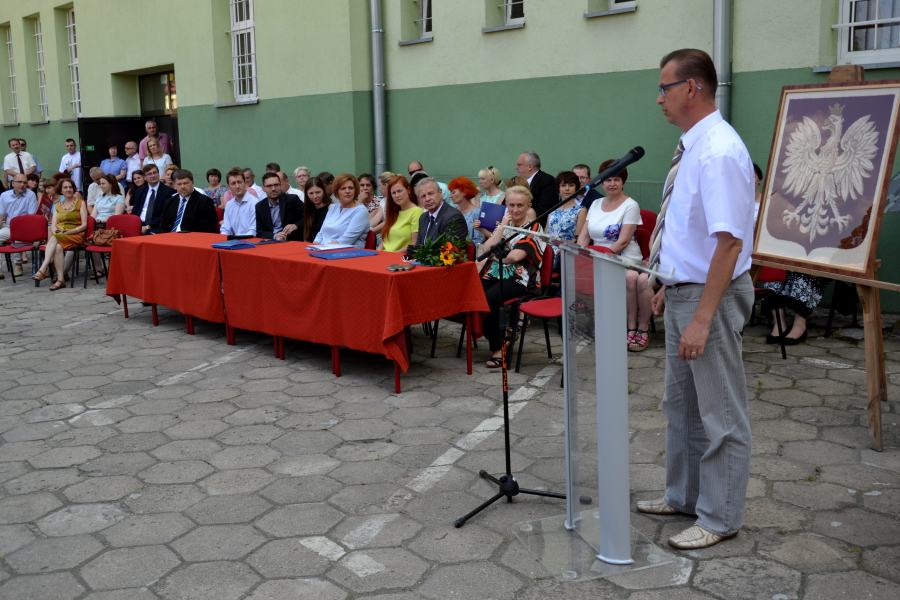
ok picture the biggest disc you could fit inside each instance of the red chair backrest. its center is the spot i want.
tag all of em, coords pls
(127, 225)
(28, 229)
(92, 224)
(643, 239)
(470, 252)
(547, 267)
(370, 240)
(770, 275)
(220, 213)
(648, 220)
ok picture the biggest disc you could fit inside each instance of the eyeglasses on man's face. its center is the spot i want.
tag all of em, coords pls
(664, 88)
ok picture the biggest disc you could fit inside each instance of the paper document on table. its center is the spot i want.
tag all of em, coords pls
(329, 246)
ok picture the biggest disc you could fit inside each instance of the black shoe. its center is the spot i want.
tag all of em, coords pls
(773, 339)
(788, 341)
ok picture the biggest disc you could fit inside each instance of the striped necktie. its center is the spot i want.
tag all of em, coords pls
(180, 214)
(656, 236)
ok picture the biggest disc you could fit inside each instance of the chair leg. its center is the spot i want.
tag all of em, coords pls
(125, 304)
(88, 258)
(780, 326)
(521, 342)
(94, 267)
(9, 267)
(547, 338)
(462, 337)
(434, 332)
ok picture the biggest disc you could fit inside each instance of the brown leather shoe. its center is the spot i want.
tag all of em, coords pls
(696, 537)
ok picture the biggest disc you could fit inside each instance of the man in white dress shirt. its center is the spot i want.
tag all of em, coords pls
(706, 232)
(17, 161)
(71, 163)
(240, 212)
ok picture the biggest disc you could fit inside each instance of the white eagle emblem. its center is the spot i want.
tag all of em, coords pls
(823, 172)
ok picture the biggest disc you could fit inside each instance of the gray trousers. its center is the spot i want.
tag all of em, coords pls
(708, 434)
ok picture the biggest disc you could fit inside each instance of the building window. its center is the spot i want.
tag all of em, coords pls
(73, 62)
(425, 19)
(243, 51)
(41, 73)
(869, 32)
(515, 12)
(11, 78)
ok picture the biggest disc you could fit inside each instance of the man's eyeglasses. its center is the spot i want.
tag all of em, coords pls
(664, 88)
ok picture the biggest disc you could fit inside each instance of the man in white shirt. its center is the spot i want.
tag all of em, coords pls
(132, 162)
(240, 212)
(17, 161)
(94, 190)
(15, 202)
(71, 163)
(705, 230)
(252, 187)
(286, 186)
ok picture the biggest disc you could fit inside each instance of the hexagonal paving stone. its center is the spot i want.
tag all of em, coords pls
(288, 558)
(44, 480)
(54, 586)
(299, 519)
(164, 498)
(147, 530)
(384, 569)
(744, 577)
(373, 471)
(76, 519)
(228, 509)
(100, 489)
(449, 544)
(237, 481)
(293, 490)
(857, 526)
(187, 449)
(244, 457)
(355, 451)
(198, 429)
(128, 463)
(13, 537)
(179, 471)
(298, 466)
(298, 589)
(391, 529)
(809, 553)
(298, 443)
(26, 507)
(209, 581)
(54, 554)
(255, 416)
(134, 442)
(64, 457)
(218, 542)
(855, 584)
(129, 567)
(363, 429)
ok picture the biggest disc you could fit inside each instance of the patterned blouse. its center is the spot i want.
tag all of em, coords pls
(561, 223)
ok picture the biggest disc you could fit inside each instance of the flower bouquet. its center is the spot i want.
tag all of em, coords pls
(441, 251)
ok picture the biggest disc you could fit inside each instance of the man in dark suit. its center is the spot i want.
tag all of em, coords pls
(439, 217)
(188, 209)
(149, 201)
(542, 185)
(280, 215)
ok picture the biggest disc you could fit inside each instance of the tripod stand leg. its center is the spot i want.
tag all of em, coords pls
(462, 520)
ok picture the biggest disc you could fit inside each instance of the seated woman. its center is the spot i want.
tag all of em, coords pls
(521, 267)
(156, 156)
(110, 201)
(611, 222)
(368, 199)
(137, 182)
(464, 193)
(489, 183)
(347, 221)
(401, 221)
(561, 222)
(68, 225)
(215, 190)
(801, 294)
(315, 207)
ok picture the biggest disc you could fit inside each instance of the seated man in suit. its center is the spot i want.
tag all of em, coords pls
(542, 185)
(150, 200)
(240, 212)
(188, 209)
(280, 215)
(439, 217)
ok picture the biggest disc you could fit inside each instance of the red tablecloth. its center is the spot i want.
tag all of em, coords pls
(177, 270)
(355, 303)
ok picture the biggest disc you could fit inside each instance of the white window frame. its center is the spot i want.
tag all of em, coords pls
(74, 75)
(510, 20)
(41, 71)
(13, 97)
(243, 58)
(614, 4)
(845, 29)
(426, 25)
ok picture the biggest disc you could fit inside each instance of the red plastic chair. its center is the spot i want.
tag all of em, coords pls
(771, 275)
(370, 240)
(24, 231)
(220, 214)
(545, 307)
(644, 231)
(127, 225)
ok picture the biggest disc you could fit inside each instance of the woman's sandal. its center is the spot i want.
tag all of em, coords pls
(640, 341)
(57, 285)
(629, 337)
(40, 275)
(494, 362)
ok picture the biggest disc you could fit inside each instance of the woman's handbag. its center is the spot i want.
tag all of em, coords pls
(105, 237)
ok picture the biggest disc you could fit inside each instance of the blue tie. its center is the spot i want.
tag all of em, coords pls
(180, 214)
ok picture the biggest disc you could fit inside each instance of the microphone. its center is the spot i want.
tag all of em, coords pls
(632, 156)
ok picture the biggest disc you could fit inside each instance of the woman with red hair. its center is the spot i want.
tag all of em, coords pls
(463, 192)
(401, 216)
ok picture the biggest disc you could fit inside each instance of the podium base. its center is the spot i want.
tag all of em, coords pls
(566, 554)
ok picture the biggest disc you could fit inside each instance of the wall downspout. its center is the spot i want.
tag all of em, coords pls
(378, 85)
(722, 44)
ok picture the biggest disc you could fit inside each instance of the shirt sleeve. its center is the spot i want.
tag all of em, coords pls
(632, 214)
(727, 190)
(227, 228)
(356, 226)
(414, 220)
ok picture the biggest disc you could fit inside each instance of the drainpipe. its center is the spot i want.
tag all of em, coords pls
(378, 87)
(722, 40)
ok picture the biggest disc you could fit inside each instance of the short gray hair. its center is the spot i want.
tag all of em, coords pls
(533, 159)
(301, 169)
(431, 180)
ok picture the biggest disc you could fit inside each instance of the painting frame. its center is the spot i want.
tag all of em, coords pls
(835, 191)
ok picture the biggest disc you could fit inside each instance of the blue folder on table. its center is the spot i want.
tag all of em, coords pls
(491, 214)
(234, 245)
(335, 255)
